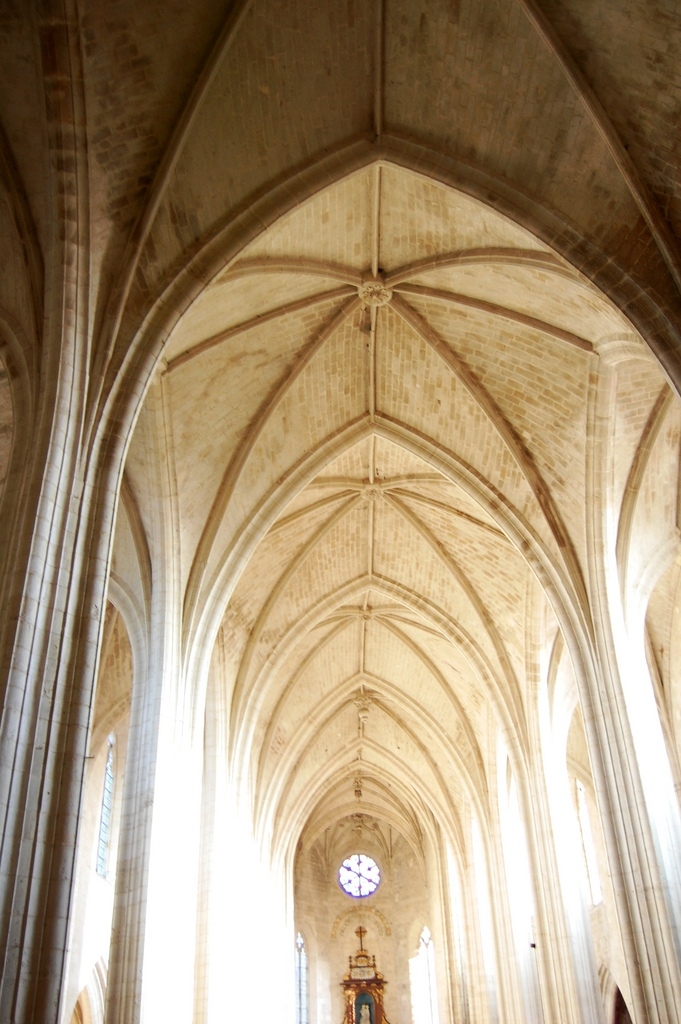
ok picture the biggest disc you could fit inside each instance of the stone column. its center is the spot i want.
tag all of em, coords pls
(56, 598)
(565, 994)
(483, 988)
(561, 831)
(55, 538)
(154, 930)
(636, 828)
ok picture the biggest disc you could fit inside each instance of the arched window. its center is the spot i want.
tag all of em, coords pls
(422, 979)
(301, 980)
(105, 817)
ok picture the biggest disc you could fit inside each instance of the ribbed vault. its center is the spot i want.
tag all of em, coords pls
(380, 423)
(339, 503)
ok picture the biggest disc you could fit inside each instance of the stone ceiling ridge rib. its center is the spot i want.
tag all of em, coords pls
(224, 577)
(433, 743)
(404, 493)
(338, 626)
(509, 438)
(215, 242)
(466, 584)
(289, 571)
(395, 808)
(510, 718)
(380, 688)
(494, 310)
(329, 392)
(347, 490)
(232, 299)
(532, 258)
(569, 302)
(350, 278)
(248, 715)
(548, 570)
(281, 650)
(239, 460)
(400, 778)
(320, 298)
(511, 524)
(379, 67)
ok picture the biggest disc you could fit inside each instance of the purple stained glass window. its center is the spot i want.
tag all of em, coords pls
(359, 875)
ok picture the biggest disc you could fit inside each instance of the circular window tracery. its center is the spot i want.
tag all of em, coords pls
(359, 875)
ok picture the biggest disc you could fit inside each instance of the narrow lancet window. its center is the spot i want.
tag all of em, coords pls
(422, 978)
(301, 981)
(105, 817)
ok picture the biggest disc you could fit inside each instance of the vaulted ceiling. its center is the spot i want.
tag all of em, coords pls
(371, 255)
(380, 421)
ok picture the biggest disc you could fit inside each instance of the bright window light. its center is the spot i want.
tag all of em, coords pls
(105, 817)
(359, 875)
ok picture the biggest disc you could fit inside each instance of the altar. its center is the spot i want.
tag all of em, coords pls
(363, 987)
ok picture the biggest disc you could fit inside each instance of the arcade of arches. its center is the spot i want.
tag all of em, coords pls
(340, 436)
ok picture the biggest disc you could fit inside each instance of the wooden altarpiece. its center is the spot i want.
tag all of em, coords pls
(363, 988)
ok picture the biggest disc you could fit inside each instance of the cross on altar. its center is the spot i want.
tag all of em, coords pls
(360, 933)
